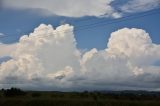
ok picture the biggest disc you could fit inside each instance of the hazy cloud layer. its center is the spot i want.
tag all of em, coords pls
(1, 34)
(6, 49)
(140, 5)
(80, 8)
(68, 8)
(48, 59)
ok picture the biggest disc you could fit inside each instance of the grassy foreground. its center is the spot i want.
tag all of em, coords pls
(78, 99)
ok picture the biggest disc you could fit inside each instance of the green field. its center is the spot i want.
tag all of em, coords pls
(32, 98)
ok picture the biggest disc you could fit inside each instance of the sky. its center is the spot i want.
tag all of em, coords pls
(80, 44)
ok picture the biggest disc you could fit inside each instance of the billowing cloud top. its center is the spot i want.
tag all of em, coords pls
(49, 59)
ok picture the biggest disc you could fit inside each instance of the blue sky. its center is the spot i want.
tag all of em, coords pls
(115, 44)
(17, 22)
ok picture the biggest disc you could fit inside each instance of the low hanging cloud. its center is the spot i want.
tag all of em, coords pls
(48, 59)
(133, 6)
(68, 8)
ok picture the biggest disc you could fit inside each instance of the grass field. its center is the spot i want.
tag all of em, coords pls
(32, 98)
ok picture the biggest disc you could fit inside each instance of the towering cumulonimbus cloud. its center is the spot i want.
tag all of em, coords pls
(129, 60)
(42, 54)
(49, 59)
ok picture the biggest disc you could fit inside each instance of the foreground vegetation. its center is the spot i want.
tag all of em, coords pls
(17, 97)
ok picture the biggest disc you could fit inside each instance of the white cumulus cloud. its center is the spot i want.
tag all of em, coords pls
(49, 59)
(42, 53)
(128, 61)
